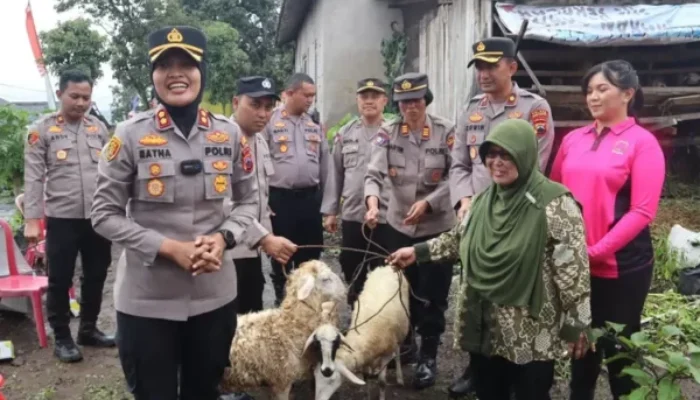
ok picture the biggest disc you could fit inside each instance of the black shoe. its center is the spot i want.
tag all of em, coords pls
(426, 371)
(236, 396)
(463, 385)
(89, 335)
(66, 350)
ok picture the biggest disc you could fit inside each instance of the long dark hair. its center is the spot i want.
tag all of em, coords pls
(622, 75)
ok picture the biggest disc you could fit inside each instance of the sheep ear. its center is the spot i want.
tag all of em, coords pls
(340, 367)
(306, 287)
(310, 340)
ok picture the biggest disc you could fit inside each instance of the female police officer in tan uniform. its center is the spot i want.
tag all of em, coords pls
(175, 165)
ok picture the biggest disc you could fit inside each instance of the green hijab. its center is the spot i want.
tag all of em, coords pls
(506, 233)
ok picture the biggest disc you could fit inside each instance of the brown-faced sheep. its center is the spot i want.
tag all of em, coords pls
(267, 350)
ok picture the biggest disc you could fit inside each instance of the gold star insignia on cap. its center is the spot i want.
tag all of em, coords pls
(175, 36)
(405, 85)
(481, 46)
(370, 83)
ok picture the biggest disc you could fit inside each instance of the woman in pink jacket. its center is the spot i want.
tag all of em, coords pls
(615, 168)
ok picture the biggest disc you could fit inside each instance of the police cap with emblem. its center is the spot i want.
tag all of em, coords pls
(257, 86)
(187, 38)
(412, 85)
(491, 50)
(371, 84)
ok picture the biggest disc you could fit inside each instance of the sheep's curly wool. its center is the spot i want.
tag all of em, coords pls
(267, 348)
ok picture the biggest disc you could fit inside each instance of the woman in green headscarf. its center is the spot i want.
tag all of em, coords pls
(524, 289)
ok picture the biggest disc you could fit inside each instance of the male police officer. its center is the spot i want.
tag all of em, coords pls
(300, 159)
(61, 152)
(414, 152)
(253, 106)
(502, 99)
(351, 153)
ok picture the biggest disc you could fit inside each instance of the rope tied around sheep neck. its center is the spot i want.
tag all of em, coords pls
(365, 261)
(365, 264)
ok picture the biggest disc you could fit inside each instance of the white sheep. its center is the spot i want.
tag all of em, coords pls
(267, 349)
(378, 327)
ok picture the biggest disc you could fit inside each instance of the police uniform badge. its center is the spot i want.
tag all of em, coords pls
(476, 117)
(220, 183)
(540, 118)
(112, 148)
(218, 137)
(153, 139)
(219, 165)
(450, 141)
(61, 155)
(382, 139)
(425, 134)
(155, 187)
(155, 169)
(473, 152)
(32, 138)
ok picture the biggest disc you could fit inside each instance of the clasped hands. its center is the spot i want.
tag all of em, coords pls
(205, 253)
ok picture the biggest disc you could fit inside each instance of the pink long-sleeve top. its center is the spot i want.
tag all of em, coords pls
(617, 177)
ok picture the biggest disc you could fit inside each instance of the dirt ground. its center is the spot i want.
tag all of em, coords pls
(36, 375)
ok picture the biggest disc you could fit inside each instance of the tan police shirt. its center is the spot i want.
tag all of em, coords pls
(299, 151)
(60, 166)
(144, 163)
(351, 153)
(262, 224)
(417, 164)
(468, 174)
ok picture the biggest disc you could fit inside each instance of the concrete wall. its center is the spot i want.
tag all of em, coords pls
(341, 43)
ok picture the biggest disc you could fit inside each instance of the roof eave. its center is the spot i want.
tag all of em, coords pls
(291, 19)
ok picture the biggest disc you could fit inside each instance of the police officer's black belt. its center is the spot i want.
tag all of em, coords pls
(191, 167)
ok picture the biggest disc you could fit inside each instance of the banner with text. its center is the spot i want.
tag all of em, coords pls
(598, 26)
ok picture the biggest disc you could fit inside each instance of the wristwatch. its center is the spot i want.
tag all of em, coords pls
(228, 238)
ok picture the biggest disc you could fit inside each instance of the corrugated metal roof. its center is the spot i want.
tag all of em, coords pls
(291, 19)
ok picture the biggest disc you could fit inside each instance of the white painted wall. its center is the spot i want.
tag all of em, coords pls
(341, 43)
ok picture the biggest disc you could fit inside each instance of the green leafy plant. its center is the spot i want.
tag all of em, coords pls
(393, 52)
(333, 130)
(672, 309)
(666, 265)
(656, 369)
(13, 130)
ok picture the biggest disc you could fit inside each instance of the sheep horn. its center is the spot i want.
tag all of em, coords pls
(310, 340)
(340, 367)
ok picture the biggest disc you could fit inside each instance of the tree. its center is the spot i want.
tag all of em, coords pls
(121, 102)
(13, 132)
(256, 22)
(73, 44)
(130, 22)
(227, 62)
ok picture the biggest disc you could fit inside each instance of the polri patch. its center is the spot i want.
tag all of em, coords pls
(112, 148)
(382, 139)
(539, 118)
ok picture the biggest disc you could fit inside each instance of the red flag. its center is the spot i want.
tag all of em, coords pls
(34, 41)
